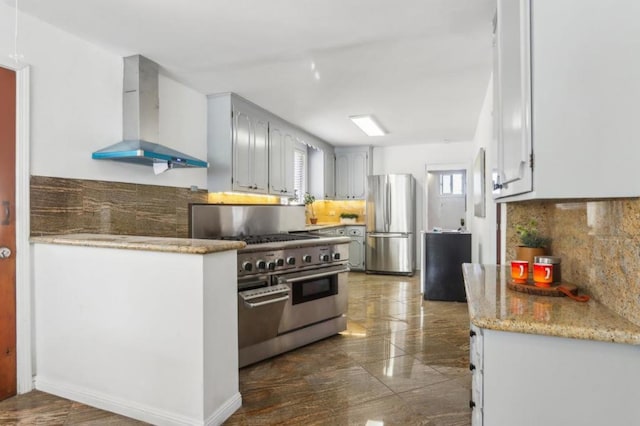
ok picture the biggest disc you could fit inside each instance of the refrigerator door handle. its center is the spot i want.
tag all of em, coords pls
(387, 224)
(392, 235)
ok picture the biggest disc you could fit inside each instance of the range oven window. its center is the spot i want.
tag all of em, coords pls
(305, 291)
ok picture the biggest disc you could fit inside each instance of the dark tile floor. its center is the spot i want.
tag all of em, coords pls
(402, 361)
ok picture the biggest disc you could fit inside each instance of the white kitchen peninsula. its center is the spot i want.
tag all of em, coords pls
(141, 326)
(539, 360)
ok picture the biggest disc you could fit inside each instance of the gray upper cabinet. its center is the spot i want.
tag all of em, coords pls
(281, 146)
(353, 165)
(322, 165)
(566, 100)
(250, 142)
(329, 175)
(252, 150)
(513, 79)
(237, 142)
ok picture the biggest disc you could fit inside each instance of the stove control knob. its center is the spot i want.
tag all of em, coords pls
(261, 264)
(291, 260)
(247, 266)
(280, 262)
(336, 256)
(271, 266)
(306, 258)
(324, 258)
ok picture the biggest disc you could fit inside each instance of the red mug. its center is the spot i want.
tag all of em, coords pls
(542, 274)
(519, 271)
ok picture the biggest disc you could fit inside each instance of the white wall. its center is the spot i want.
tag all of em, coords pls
(76, 107)
(484, 228)
(414, 159)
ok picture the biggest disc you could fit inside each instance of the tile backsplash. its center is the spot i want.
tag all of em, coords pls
(328, 211)
(63, 206)
(598, 242)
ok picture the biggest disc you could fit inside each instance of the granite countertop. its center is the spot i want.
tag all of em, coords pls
(493, 306)
(133, 242)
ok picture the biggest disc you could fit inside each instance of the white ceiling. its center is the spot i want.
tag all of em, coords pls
(421, 66)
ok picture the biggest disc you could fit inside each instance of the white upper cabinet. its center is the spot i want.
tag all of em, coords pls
(321, 174)
(281, 145)
(514, 114)
(250, 144)
(237, 142)
(352, 168)
(329, 174)
(566, 92)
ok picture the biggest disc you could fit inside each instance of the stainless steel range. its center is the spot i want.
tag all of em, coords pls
(292, 288)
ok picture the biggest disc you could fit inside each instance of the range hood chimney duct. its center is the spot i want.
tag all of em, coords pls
(141, 122)
(141, 101)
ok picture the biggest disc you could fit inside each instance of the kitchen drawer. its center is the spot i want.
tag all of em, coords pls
(355, 231)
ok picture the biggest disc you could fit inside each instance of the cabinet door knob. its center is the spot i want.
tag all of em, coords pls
(472, 333)
(472, 404)
(472, 367)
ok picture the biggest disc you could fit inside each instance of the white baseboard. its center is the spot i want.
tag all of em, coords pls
(225, 411)
(134, 410)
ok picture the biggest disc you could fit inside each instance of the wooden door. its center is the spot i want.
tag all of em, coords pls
(8, 377)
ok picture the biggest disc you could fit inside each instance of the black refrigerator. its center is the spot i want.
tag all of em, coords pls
(443, 254)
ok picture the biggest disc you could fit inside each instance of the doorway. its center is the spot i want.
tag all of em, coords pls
(8, 366)
(447, 199)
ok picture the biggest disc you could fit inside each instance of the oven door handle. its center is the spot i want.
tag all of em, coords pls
(266, 302)
(313, 276)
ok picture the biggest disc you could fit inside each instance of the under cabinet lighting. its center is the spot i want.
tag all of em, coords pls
(368, 124)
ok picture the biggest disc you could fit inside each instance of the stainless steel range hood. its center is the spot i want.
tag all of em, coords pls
(141, 113)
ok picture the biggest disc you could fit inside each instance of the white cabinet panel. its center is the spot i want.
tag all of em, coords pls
(566, 99)
(342, 176)
(476, 364)
(242, 150)
(321, 176)
(281, 145)
(594, 383)
(352, 168)
(514, 114)
(329, 175)
(356, 247)
(260, 153)
(237, 142)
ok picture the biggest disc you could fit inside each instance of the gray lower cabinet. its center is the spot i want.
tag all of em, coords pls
(356, 247)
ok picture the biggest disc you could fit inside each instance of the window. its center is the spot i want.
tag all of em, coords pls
(300, 172)
(452, 183)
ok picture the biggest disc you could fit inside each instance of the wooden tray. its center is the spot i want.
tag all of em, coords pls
(552, 291)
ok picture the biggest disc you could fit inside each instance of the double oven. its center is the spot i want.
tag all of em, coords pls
(292, 288)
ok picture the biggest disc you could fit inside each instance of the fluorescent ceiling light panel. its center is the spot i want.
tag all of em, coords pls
(368, 124)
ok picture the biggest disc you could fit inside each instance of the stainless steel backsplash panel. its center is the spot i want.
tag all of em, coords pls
(214, 220)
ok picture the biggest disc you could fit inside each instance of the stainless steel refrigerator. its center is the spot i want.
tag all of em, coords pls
(391, 211)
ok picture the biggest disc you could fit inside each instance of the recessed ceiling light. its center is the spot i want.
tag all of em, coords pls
(368, 124)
